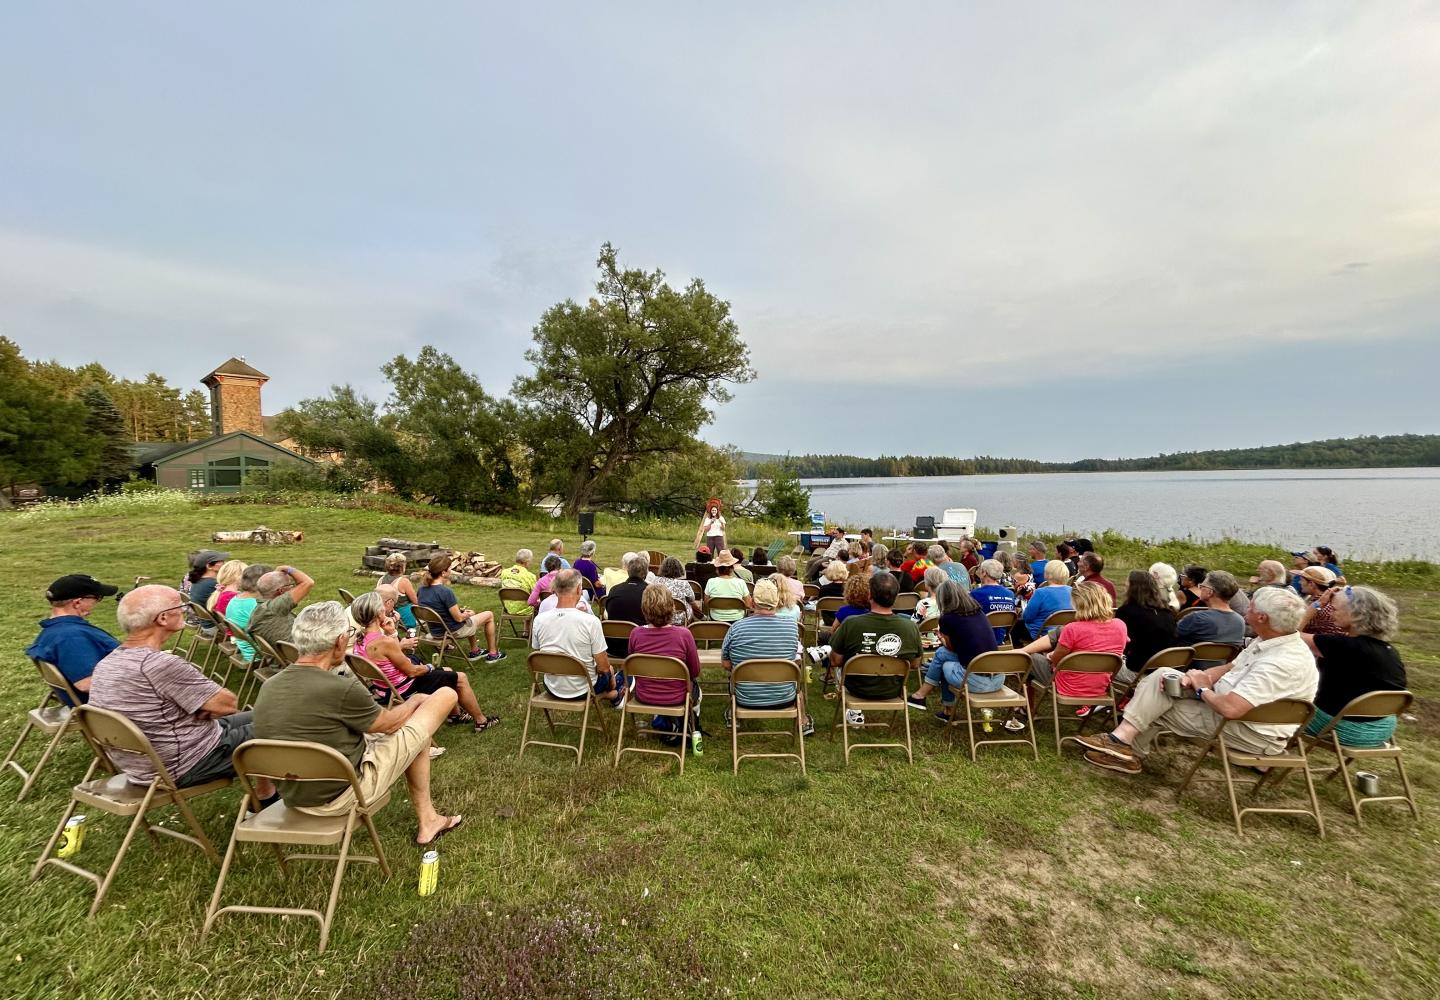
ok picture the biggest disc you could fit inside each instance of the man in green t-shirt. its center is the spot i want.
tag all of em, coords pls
(879, 631)
(280, 591)
(308, 701)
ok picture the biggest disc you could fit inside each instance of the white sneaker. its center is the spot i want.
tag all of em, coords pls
(854, 717)
(818, 653)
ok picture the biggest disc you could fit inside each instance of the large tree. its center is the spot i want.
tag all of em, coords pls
(628, 375)
(42, 434)
(105, 428)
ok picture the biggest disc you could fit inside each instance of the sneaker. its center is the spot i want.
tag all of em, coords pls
(476, 655)
(818, 653)
(1084, 711)
(619, 702)
(495, 657)
(1104, 743)
(808, 729)
(1014, 725)
(1104, 761)
(854, 717)
(729, 722)
(945, 715)
(916, 703)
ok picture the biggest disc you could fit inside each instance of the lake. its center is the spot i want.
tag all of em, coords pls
(1360, 513)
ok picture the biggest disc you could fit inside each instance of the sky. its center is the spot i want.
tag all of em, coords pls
(1035, 230)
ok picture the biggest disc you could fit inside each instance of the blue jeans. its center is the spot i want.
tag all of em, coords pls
(948, 674)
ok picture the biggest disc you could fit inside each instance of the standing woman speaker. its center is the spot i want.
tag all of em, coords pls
(712, 527)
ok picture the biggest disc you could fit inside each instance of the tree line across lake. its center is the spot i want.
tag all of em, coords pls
(1394, 451)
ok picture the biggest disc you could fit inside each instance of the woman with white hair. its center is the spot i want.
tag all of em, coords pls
(1053, 596)
(928, 607)
(380, 645)
(1359, 661)
(586, 565)
(395, 565)
(1169, 583)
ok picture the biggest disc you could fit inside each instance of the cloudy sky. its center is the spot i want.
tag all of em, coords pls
(1048, 230)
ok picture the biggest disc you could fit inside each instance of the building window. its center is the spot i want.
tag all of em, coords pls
(231, 473)
(197, 479)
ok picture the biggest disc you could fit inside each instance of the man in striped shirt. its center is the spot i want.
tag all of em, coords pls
(763, 636)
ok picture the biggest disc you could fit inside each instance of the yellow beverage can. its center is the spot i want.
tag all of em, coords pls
(72, 838)
(429, 872)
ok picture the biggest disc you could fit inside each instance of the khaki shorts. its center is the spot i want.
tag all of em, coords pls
(384, 762)
(464, 631)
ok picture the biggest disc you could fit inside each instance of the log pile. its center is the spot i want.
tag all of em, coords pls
(417, 554)
(473, 564)
(259, 536)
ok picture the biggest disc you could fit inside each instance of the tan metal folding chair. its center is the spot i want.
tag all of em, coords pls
(370, 673)
(1083, 663)
(871, 665)
(346, 597)
(1013, 663)
(1189, 611)
(215, 641)
(1222, 651)
(697, 589)
(1059, 619)
(48, 720)
(287, 651)
(107, 733)
(662, 668)
(614, 629)
(714, 604)
(828, 605)
(1005, 620)
(197, 622)
(767, 672)
(812, 591)
(906, 603)
(1285, 712)
(1376, 704)
(283, 760)
(1170, 658)
(519, 623)
(656, 558)
(250, 676)
(444, 642)
(710, 635)
(539, 664)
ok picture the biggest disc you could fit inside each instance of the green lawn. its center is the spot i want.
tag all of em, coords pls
(1004, 878)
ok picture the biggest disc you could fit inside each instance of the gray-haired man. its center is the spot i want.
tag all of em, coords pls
(307, 701)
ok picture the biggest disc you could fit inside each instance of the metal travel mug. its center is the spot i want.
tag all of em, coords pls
(1368, 782)
(1173, 687)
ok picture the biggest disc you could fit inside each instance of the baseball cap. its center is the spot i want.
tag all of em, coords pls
(77, 585)
(766, 595)
(704, 550)
(205, 557)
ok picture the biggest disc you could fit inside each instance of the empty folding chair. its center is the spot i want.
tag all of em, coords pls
(47, 719)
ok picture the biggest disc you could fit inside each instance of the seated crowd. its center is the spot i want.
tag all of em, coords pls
(1300, 633)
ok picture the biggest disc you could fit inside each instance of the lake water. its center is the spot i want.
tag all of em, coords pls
(1360, 513)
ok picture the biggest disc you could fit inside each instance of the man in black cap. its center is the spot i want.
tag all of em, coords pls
(67, 639)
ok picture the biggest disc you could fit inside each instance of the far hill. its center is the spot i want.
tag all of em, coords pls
(1395, 451)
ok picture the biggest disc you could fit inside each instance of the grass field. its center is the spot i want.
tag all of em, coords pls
(1004, 878)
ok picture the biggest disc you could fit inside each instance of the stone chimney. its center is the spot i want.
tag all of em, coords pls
(235, 398)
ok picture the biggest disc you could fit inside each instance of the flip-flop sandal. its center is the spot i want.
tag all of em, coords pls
(457, 718)
(451, 826)
(490, 720)
(436, 752)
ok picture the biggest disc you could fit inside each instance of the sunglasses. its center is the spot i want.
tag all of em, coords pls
(178, 607)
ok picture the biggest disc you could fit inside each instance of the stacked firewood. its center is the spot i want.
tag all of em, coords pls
(473, 564)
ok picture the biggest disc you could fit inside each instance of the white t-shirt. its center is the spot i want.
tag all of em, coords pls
(712, 526)
(572, 632)
(550, 602)
(1268, 670)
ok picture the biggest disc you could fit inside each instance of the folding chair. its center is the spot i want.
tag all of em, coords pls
(287, 651)
(1376, 704)
(346, 597)
(283, 760)
(446, 641)
(1005, 620)
(540, 697)
(1285, 712)
(656, 558)
(48, 720)
(198, 621)
(1222, 651)
(213, 636)
(597, 607)
(368, 671)
(812, 591)
(697, 589)
(108, 732)
(1083, 663)
(615, 629)
(1189, 611)
(906, 603)
(519, 623)
(1010, 662)
(828, 605)
(710, 635)
(1170, 658)
(660, 668)
(249, 669)
(1059, 619)
(871, 665)
(767, 672)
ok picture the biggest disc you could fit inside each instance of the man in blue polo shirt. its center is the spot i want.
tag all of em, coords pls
(66, 638)
(990, 595)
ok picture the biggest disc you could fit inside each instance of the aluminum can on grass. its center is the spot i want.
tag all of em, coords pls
(429, 872)
(73, 837)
